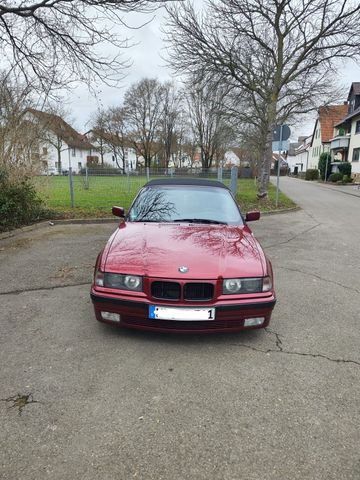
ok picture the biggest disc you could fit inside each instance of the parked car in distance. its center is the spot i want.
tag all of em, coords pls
(184, 259)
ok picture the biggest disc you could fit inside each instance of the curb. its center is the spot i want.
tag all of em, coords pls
(50, 223)
(340, 189)
(284, 210)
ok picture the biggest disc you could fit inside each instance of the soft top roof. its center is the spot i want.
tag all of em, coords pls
(186, 181)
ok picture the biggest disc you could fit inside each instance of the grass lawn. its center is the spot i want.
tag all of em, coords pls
(106, 191)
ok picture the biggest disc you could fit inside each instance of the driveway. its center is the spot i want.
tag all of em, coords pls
(82, 400)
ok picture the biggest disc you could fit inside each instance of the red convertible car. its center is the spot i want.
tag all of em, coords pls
(184, 259)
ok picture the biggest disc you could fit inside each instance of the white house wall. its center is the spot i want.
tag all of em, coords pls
(302, 158)
(354, 143)
(76, 159)
(292, 162)
(109, 159)
(317, 148)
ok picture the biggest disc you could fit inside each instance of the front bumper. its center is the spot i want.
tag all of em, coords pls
(229, 317)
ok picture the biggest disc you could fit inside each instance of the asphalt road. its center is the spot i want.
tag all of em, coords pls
(80, 400)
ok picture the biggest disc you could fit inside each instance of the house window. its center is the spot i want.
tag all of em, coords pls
(45, 151)
(357, 127)
(79, 165)
(57, 165)
(356, 155)
(73, 152)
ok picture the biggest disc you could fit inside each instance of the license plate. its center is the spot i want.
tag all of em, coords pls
(181, 314)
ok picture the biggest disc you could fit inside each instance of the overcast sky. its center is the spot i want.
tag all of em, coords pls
(147, 58)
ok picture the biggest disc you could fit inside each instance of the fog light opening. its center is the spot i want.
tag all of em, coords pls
(114, 317)
(253, 322)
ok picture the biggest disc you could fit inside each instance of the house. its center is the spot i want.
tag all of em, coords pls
(328, 117)
(112, 149)
(298, 154)
(294, 161)
(301, 153)
(230, 159)
(60, 146)
(345, 143)
(284, 167)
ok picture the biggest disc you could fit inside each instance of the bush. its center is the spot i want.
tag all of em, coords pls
(312, 174)
(336, 177)
(101, 169)
(19, 203)
(324, 159)
(347, 179)
(345, 169)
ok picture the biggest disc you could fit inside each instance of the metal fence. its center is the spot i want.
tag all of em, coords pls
(102, 188)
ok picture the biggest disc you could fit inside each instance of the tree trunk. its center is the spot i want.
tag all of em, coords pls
(267, 152)
(59, 160)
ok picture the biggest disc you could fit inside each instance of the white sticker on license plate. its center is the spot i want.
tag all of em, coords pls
(181, 314)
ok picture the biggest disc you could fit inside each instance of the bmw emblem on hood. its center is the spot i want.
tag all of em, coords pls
(183, 269)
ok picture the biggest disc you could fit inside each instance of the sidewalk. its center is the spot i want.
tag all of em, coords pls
(349, 189)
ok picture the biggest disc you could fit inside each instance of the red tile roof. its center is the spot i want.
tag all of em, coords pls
(328, 117)
(61, 128)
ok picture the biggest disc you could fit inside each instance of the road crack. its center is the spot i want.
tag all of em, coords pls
(19, 401)
(280, 349)
(293, 237)
(314, 275)
(39, 289)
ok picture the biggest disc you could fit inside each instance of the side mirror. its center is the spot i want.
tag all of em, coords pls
(251, 216)
(118, 212)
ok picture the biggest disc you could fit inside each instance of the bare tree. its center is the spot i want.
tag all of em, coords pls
(144, 107)
(118, 140)
(170, 116)
(19, 147)
(53, 42)
(54, 131)
(283, 53)
(99, 134)
(185, 139)
(206, 102)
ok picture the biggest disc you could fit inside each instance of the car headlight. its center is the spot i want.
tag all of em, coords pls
(232, 286)
(123, 282)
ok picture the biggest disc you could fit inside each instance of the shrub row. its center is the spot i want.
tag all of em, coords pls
(19, 203)
(336, 177)
(312, 174)
(339, 177)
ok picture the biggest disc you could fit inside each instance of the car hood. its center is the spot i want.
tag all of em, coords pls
(208, 251)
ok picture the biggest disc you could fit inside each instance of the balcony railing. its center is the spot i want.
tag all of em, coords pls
(340, 143)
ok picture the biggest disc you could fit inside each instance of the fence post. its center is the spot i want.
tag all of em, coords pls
(86, 178)
(234, 179)
(71, 185)
(128, 180)
(148, 173)
(219, 174)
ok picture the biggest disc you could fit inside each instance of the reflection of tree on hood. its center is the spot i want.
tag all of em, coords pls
(230, 240)
(152, 205)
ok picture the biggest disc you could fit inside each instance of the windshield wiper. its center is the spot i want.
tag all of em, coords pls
(199, 220)
(147, 220)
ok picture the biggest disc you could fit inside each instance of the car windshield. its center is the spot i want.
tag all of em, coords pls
(184, 203)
